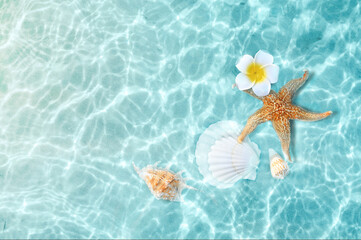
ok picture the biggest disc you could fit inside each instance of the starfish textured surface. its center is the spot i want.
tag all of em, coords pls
(278, 108)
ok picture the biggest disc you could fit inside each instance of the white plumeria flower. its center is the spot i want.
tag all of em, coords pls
(257, 73)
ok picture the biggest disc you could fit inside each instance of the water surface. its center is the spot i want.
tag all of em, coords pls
(88, 87)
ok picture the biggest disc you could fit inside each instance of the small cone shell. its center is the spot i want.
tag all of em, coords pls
(279, 167)
(163, 183)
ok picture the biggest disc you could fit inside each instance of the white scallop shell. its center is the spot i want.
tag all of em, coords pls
(279, 167)
(221, 159)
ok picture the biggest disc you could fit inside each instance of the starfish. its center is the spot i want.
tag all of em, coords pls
(278, 108)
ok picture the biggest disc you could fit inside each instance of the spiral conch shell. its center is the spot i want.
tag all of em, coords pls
(279, 167)
(163, 183)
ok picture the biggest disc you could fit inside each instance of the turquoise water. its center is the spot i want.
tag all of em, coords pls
(87, 87)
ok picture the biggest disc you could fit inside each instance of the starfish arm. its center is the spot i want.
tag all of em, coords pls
(289, 89)
(302, 114)
(253, 121)
(282, 128)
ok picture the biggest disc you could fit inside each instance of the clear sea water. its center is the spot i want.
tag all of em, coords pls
(88, 87)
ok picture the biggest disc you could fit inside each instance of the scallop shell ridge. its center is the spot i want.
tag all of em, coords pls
(221, 159)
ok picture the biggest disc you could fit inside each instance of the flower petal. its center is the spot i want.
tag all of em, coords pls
(263, 58)
(243, 82)
(262, 89)
(272, 72)
(244, 62)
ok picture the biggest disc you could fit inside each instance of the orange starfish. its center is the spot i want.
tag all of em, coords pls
(278, 108)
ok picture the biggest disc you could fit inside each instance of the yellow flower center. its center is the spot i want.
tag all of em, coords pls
(256, 73)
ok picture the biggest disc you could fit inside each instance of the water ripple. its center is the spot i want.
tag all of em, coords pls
(86, 88)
